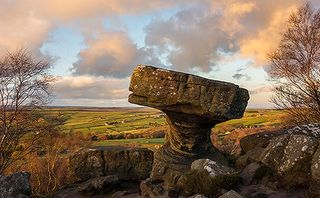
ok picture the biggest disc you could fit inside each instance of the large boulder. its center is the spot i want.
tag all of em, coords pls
(15, 185)
(126, 163)
(261, 140)
(87, 164)
(290, 156)
(193, 105)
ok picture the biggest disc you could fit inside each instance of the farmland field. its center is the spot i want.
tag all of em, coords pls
(102, 122)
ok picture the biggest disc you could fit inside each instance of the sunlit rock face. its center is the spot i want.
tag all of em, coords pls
(193, 106)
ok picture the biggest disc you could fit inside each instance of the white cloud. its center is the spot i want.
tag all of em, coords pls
(88, 87)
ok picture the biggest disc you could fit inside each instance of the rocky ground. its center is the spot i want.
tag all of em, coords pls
(273, 165)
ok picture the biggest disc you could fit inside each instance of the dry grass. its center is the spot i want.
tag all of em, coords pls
(49, 167)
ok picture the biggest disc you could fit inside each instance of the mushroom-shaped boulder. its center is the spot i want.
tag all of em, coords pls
(193, 106)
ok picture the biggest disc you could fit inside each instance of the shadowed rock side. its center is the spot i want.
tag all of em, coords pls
(193, 106)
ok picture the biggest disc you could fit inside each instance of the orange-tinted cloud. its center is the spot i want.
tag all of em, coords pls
(197, 36)
(112, 53)
(28, 22)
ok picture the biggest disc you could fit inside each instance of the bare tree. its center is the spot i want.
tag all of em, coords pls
(24, 86)
(295, 66)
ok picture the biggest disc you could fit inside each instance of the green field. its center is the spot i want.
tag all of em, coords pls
(109, 119)
(144, 141)
(103, 121)
(253, 119)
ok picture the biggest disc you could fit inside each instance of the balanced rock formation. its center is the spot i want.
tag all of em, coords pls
(193, 106)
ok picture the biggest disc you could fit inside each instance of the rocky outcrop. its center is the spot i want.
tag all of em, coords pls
(15, 185)
(193, 106)
(126, 163)
(111, 171)
(292, 155)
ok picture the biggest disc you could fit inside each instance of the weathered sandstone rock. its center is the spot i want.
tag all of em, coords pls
(126, 163)
(251, 156)
(293, 155)
(193, 106)
(252, 172)
(261, 140)
(290, 156)
(185, 93)
(213, 168)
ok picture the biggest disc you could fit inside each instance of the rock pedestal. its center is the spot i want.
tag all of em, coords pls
(193, 106)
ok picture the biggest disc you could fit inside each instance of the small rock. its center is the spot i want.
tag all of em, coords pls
(99, 185)
(251, 172)
(251, 156)
(118, 194)
(231, 194)
(197, 196)
(152, 189)
(214, 169)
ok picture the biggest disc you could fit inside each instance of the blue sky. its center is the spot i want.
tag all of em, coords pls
(95, 44)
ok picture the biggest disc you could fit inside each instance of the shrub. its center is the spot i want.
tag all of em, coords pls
(50, 168)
